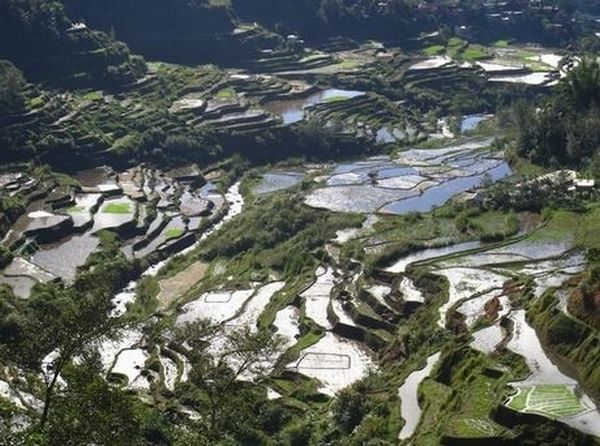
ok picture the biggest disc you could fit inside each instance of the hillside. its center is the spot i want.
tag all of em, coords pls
(181, 31)
(299, 223)
(38, 37)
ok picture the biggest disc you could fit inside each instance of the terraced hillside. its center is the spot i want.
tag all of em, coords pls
(359, 303)
(321, 239)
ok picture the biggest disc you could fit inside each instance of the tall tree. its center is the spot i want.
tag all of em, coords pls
(12, 83)
(222, 358)
(91, 411)
(50, 329)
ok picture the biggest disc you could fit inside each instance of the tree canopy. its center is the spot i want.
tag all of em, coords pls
(564, 131)
(12, 83)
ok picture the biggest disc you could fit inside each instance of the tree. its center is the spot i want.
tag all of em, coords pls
(90, 411)
(349, 408)
(46, 332)
(222, 360)
(12, 83)
(581, 88)
(564, 130)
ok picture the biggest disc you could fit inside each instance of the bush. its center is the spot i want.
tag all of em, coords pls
(5, 256)
(348, 408)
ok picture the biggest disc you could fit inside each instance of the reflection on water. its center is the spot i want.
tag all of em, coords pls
(470, 122)
(408, 394)
(292, 110)
(386, 135)
(94, 177)
(525, 342)
(415, 180)
(431, 253)
(275, 181)
(62, 259)
(438, 195)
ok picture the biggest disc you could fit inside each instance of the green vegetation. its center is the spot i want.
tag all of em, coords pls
(336, 99)
(90, 103)
(6, 256)
(95, 95)
(349, 64)
(458, 49)
(548, 400)
(489, 225)
(276, 232)
(12, 83)
(127, 145)
(65, 321)
(568, 337)
(583, 302)
(519, 400)
(34, 36)
(564, 132)
(434, 50)
(75, 210)
(475, 52)
(173, 233)
(225, 94)
(117, 208)
(586, 234)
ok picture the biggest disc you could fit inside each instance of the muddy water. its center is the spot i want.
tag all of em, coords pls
(94, 177)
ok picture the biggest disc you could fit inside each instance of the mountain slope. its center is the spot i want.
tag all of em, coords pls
(38, 37)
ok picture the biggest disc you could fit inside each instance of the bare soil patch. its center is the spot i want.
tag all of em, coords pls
(174, 287)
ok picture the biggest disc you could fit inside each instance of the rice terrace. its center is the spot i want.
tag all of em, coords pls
(299, 222)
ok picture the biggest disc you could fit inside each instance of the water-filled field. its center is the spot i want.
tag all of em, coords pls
(416, 180)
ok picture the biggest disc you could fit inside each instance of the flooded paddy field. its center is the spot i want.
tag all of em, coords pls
(66, 236)
(335, 362)
(528, 65)
(336, 318)
(276, 181)
(546, 390)
(413, 181)
(293, 110)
